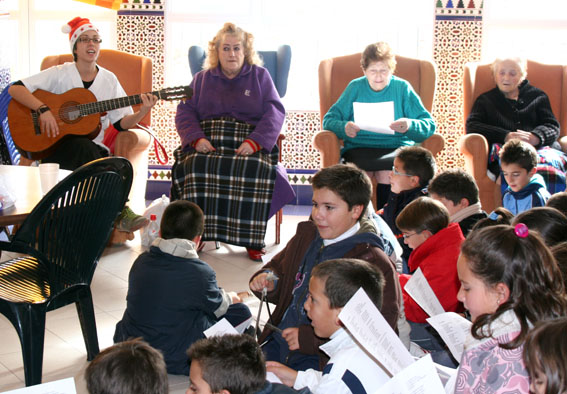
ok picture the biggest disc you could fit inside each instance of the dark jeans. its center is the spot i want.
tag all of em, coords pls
(276, 350)
(425, 336)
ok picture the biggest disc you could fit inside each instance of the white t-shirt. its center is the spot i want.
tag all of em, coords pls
(61, 78)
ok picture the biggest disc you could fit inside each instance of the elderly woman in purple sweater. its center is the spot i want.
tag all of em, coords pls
(227, 161)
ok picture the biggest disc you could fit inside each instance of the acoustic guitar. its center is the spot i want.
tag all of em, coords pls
(77, 113)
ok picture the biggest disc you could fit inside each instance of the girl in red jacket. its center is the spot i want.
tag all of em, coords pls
(436, 246)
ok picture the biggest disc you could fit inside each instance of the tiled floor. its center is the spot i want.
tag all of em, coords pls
(65, 355)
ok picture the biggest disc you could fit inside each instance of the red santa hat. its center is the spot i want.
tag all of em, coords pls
(75, 27)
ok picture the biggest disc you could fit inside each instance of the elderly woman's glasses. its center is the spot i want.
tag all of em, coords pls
(85, 40)
(396, 172)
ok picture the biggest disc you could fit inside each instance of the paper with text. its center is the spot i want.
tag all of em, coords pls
(418, 378)
(222, 327)
(375, 117)
(365, 322)
(63, 386)
(453, 329)
(419, 289)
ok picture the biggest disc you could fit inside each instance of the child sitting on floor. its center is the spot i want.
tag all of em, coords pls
(414, 167)
(457, 190)
(508, 282)
(338, 229)
(545, 355)
(436, 245)
(350, 369)
(172, 295)
(230, 364)
(526, 189)
(131, 367)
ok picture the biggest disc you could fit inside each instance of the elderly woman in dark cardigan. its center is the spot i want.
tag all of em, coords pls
(514, 109)
(227, 161)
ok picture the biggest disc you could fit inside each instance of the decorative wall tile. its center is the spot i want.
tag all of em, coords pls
(457, 40)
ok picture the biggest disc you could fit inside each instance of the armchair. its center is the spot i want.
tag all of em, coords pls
(336, 73)
(334, 76)
(135, 75)
(552, 79)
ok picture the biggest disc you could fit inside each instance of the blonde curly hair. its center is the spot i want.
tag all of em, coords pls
(250, 54)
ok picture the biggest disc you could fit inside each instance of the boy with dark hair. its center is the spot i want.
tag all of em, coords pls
(457, 190)
(413, 168)
(230, 364)
(338, 229)
(172, 295)
(559, 202)
(526, 189)
(350, 369)
(131, 367)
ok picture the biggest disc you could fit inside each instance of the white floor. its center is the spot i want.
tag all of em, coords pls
(64, 353)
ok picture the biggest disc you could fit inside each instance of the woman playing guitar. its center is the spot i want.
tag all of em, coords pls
(74, 151)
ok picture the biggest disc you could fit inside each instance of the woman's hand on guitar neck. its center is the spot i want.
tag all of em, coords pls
(48, 124)
(148, 101)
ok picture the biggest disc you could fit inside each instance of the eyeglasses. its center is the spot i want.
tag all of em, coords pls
(85, 40)
(406, 235)
(396, 172)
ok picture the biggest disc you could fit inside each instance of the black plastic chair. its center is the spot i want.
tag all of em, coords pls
(61, 241)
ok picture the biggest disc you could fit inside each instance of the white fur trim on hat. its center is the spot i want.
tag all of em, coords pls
(75, 27)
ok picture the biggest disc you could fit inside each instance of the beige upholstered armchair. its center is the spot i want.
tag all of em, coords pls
(552, 79)
(135, 75)
(336, 73)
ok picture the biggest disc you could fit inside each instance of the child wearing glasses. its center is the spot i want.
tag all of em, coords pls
(338, 228)
(436, 246)
(413, 168)
(526, 189)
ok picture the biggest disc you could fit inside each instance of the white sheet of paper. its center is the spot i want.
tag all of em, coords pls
(63, 386)
(418, 288)
(453, 329)
(244, 325)
(418, 378)
(272, 377)
(375, 117)
(365, 322)
(222, 327)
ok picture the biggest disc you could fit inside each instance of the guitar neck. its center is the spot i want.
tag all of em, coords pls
(108, 105)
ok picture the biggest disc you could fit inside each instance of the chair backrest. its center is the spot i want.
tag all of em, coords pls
(134, 72)
(276, 62)
(336, 73)
(551, 78)
(69, 228)
(10, 154)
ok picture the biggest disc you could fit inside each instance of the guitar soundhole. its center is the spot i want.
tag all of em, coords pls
(70, 112)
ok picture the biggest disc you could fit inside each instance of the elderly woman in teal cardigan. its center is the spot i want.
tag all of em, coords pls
(371, 151)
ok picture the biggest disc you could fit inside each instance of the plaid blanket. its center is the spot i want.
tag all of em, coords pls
(552, 166)
(233, 191)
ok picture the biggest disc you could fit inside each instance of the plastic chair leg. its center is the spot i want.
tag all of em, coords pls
(29, 322)
(86, 314)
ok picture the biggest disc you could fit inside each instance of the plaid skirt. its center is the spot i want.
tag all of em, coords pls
(233, 191)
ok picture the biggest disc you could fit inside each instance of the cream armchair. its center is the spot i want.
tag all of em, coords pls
(552, 79)
(336, 73)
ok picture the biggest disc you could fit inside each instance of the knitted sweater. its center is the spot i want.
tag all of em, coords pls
(407, 104)
(494, 116)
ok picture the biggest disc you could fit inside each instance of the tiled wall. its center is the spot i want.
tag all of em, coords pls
(457, 40)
